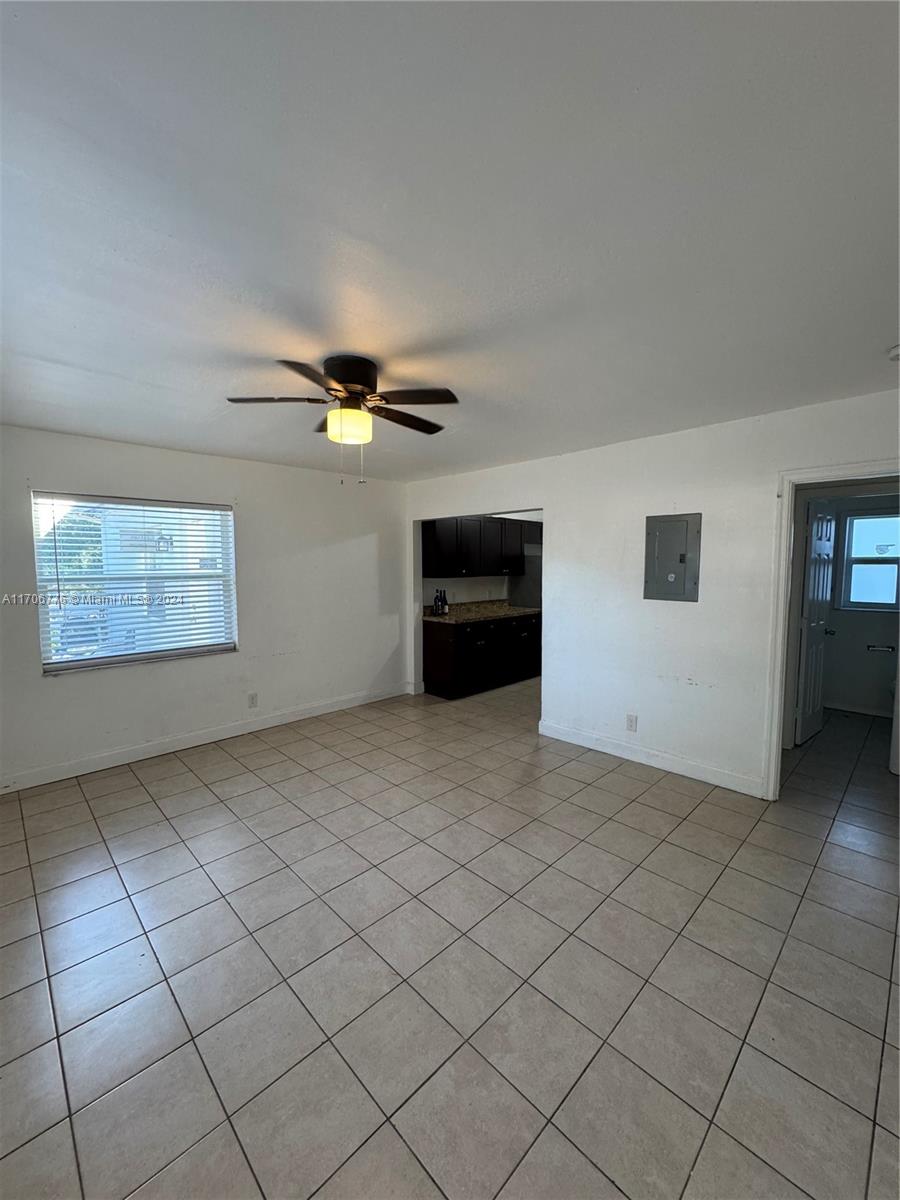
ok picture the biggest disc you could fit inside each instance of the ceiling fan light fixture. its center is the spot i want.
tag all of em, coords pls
(350, 382)
(349, 426)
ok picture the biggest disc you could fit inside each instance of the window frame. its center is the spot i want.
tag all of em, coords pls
(846, 562)
(51, 668)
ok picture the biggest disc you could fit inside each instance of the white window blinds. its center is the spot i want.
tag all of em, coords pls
(125, 580)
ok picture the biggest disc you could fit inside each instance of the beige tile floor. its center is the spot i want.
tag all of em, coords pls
(413, 949)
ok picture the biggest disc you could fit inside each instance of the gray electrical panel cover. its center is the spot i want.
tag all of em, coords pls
(672, 557)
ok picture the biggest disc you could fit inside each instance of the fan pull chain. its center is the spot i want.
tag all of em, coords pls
(362, 473)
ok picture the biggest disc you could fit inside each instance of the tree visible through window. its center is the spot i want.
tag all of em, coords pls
(871, 560)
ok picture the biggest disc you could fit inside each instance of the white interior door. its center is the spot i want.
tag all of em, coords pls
(817, 585)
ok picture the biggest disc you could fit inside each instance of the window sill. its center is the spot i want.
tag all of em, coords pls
(866, 608)
(129, 660)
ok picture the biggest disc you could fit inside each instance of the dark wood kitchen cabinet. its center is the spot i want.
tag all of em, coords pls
(463, 658)
(464, 546)
(469, 554)
(440, 548)
(513, 562)
(492, 545)
(518, 647)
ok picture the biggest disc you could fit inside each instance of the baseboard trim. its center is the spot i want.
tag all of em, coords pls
(656, 758)
(197, 737)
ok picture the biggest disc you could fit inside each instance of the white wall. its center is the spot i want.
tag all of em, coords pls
(696, 674)
(320, 590)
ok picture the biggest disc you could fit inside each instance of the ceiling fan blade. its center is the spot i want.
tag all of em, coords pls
(322, 426)
(315, 376)
(276, 400)
(405, 419)
(419, 396)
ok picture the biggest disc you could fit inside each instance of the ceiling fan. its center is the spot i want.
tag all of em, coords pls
(351, 382)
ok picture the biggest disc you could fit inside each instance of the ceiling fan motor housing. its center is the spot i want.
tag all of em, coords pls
(353, 371)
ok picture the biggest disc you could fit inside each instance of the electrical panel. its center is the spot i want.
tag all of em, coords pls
(672, 557)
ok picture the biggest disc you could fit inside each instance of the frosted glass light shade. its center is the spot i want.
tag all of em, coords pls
(349, 426)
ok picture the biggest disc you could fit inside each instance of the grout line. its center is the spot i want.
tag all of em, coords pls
(167, 981)
(744, 1044)
(358, 933)
(130, 895)
(456, 866)
(467, 1040)
(389, 1123)
(57, 1045)
(606, 1041)
(884, 1051)
(191, 1040)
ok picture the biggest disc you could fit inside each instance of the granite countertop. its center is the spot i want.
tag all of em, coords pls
(479, 610)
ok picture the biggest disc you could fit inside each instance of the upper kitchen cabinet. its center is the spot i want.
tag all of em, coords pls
(453, 547)
(513, 561)
(492, 545)
(469, 553)
(440, 548)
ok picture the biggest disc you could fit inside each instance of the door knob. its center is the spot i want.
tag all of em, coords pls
(830, 632)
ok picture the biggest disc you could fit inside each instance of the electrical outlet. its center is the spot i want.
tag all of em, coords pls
(252, 699)
(631, 722)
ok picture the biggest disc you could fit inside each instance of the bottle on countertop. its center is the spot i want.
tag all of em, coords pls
(445, 607)
(437, 607)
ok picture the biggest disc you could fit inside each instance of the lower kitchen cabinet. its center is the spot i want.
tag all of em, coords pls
(467, 657)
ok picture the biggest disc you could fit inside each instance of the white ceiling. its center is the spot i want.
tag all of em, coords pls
(592, 221)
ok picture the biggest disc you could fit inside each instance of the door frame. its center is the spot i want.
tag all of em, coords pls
(788, 482)
(812, 631)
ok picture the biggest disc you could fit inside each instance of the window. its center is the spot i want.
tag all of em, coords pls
(871, 544)
(126, 580)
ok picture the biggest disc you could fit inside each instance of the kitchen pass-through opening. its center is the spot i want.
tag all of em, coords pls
(481, 585)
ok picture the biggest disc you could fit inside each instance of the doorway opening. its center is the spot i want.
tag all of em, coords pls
(840, 664)
(478, 598)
